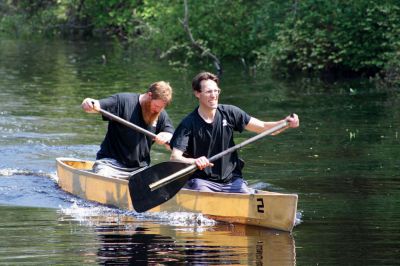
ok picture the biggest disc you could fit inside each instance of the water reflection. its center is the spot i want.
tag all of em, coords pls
(135, 247)
(220, 244)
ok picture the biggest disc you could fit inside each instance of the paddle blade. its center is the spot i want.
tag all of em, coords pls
(143, 198)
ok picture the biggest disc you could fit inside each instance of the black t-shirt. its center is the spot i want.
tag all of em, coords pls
(122, 143)
(197, 138)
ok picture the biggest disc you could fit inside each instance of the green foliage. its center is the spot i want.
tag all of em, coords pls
(114, 17)
(24, 18)
(227, 28)
(287, 36)
(389, 78)
(332, 35)
(31, 8)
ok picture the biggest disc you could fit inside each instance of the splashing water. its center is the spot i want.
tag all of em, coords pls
(180, 218)
(90, 213)
(298, 220)
(16, 171)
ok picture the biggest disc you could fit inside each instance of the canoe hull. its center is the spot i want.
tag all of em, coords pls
(266, 209)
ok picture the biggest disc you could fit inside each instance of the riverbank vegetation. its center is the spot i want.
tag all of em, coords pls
(356, 38)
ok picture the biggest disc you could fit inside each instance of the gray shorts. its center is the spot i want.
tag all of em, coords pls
(112, 168)
(238, 185)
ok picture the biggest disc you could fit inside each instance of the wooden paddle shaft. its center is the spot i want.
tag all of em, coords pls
(250, 140)
(126, 123)
(193, 167)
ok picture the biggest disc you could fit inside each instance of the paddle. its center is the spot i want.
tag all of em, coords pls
(126, 123)
(157, 184)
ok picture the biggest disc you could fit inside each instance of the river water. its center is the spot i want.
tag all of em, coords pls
(343, 162)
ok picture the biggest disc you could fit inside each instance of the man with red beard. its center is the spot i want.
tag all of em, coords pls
(125, 151)
(208, 130)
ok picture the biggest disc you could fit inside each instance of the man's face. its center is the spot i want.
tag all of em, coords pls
(208, 97)
(157, 106)
(151, 109)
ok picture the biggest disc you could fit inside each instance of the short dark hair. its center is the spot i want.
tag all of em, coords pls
(203, 76)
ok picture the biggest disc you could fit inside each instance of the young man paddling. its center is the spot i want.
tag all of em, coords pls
(207, 131)
(125, 151)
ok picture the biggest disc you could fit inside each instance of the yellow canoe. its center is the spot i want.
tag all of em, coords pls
(266, 209)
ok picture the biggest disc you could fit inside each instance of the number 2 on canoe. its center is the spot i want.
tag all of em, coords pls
(260, 205)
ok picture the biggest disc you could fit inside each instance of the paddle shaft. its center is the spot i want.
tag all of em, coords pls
(193, 167)
(126, 123)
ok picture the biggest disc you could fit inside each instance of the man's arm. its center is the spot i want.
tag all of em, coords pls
(201, 162)
(258, 126)
(166, 131)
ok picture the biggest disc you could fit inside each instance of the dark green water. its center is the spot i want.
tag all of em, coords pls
(343, 162)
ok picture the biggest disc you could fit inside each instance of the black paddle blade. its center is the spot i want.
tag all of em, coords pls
(143, 198)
